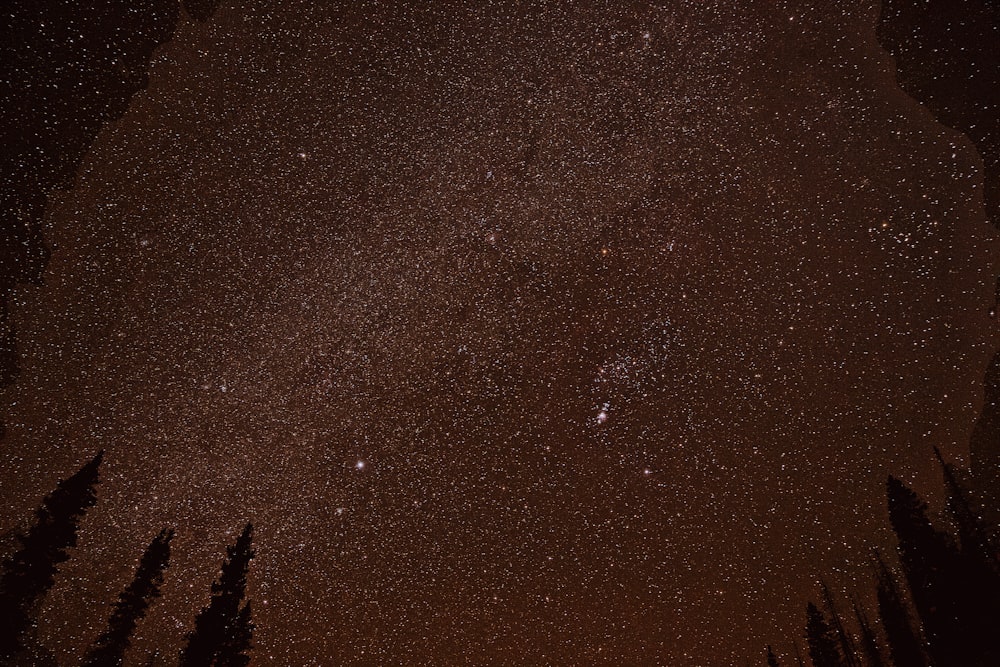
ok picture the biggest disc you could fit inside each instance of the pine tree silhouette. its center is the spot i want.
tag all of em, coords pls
(847, 650)
(868, 641)
(903, 640)
(30, 572)
(977, 592)
(984, 443)
(222, 630)
(110, 647)
(799, 662)
(822, 639)
(971, 530)
(235, 649)
(940, 584)
(772, 660)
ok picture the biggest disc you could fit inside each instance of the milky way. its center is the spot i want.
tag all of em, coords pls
(524, 333)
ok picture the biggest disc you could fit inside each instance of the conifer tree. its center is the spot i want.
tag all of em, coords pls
(847, 650)
(223, 629)
(110, 647)
(984, 445)
(977, 589)
(940, 584)
(235, 650)
(971, 531)
(30, 572)
(822, 639)
(869, 643)
(903, 640)
(799, 662)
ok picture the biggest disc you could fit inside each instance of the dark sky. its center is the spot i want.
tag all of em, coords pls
(525, 333)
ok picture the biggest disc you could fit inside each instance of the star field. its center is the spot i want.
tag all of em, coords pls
(525, 333)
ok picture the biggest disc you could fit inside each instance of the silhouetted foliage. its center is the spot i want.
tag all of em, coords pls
(30, 572)
(847, 649)
(110, 647)
(903, 639)
(236, 648)
(868, 642)
(976, 580)
(822, 639)
(223, 629)
(984, 443)
(945, 592)
(975, 543)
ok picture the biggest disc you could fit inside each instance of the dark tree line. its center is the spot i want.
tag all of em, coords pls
(223, 629)
(941, 610)
(940, 605)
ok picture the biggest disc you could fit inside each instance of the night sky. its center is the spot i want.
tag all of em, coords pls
(524, 332)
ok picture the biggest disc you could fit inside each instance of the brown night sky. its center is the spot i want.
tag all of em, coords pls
(525, 333)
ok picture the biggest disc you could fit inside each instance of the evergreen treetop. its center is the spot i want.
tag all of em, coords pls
(30, 572)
